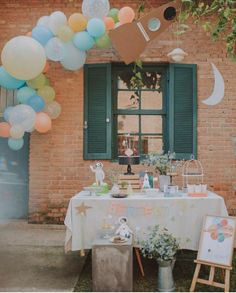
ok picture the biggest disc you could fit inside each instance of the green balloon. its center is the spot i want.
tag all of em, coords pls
(114, 14)
(103, 42)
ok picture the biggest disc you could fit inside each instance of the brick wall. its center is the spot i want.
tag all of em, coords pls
(57, 169)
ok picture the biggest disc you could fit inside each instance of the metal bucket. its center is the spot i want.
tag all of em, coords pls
(165, 281)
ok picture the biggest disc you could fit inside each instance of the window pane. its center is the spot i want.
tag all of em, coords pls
(128, 124)
(131, 142)
(151, 124)
(151, 100)
(127, 100)
(151, 80)
(152, 144)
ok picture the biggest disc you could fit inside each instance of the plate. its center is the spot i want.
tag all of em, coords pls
(118, 239)
(120, 195)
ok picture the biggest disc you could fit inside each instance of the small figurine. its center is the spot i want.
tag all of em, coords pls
(124, 229)
(146, 184)
(99, 174)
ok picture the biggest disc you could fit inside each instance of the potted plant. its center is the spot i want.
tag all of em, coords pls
(162, 165)
(162, 246)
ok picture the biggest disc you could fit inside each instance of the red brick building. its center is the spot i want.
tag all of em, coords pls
(57, 169)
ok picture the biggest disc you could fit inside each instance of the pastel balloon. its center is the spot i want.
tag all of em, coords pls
(9, 82)
(46, 67)
(114, 14)
(126, 15)
(214, 235)
(117, 24)
(65, 33)
(24, 93)
(109, 23)
(95, 8)
(224, 222)
(37, 82)
(103, 42)
(23, 57)
(44, 20)
(77, 22)
(42, 34)
(56, 20)
(37, 103)
(83, 41)
(96, 27)
(47, 93)
(15, 144)
(221, 237)
(17, 132)
(74, 59)
(22, 115)
(53, 109)
(43, 122)
(5, 129)
(29, 34)
(54, 49)
(7, 112)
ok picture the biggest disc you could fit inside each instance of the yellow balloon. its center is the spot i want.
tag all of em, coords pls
(47, 93)
(77, 22)
(38, 82)
(65, 33)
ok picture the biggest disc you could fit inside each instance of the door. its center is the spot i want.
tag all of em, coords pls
(13, 171)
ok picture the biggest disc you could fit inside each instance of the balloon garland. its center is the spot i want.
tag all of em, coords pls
(54, 38)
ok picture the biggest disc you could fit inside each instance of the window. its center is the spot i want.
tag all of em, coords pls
(162, 116)
(140, 114)
(7, 98)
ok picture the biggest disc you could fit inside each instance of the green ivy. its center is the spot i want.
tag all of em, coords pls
(223, 27)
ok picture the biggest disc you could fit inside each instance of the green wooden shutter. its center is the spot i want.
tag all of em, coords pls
(97, 111)
(183, 110)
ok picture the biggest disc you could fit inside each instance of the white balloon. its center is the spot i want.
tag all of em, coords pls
(54, 49)
(53, 109)
(73, 59)
(17, 131)
(44, 20)
(56, 20)
(24, 116)
(23, 57)
(95, 8)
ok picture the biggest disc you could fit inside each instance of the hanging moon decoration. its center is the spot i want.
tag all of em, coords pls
(219, 88)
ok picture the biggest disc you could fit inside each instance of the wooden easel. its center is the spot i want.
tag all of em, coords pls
(211, 281)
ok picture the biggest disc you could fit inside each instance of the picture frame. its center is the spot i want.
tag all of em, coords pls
(217, 240)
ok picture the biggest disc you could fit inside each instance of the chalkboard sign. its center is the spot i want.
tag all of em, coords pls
(217, 240)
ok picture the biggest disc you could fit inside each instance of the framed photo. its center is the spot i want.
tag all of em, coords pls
(217, 240)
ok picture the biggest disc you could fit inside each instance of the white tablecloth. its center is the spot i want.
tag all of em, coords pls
(182, 216)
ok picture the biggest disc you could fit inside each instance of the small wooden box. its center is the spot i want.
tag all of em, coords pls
(133, 180)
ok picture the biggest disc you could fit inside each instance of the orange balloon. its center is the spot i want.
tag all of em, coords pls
(43, 122)
(126, 15)
(29, 34)
(46, 67)
(214, 235)
(109, 23)
(5, 129)
(77, 22)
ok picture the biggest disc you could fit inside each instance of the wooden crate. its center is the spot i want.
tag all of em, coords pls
(130, 179)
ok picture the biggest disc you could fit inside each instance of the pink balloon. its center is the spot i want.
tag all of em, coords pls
(43, 122)
(126, 15)
(5, 129)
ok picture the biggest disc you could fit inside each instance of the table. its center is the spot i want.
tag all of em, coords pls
(182, 216)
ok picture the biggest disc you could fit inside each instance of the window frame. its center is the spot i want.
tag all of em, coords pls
(163, 69)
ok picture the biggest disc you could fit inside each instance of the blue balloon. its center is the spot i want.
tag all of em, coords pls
(96, 27)
(15, 144)
(7, 113)
(83, 41)
(9, 82)
(42, 34)
(37, 103)
(24, 94)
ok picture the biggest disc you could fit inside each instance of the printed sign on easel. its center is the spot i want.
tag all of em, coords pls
(217, 240)
(215, 250)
